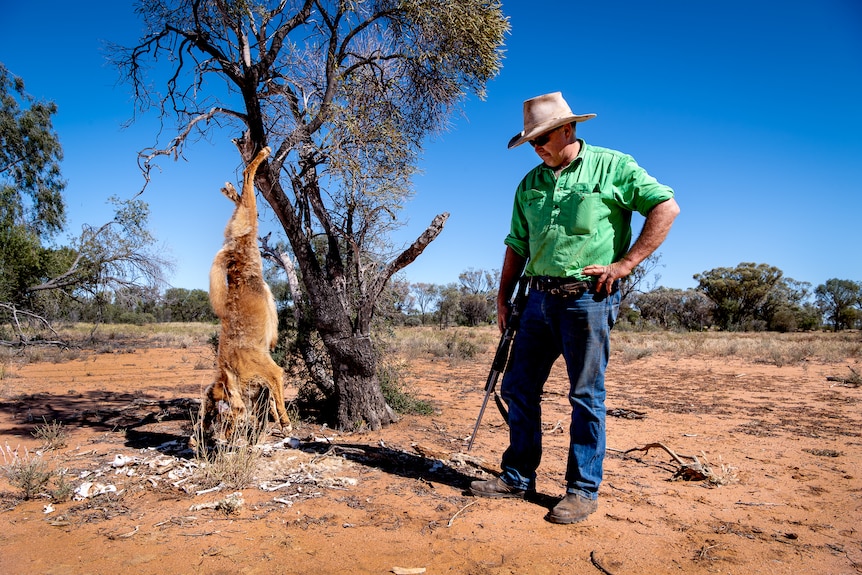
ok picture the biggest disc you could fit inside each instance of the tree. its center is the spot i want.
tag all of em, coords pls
(114, 256)
(449, 305)
(425, 296)
(188, 305)
(479, 293)
(395, 303)
(31, 202)
(636, 281)
(344, 93)
(670, 308)
(837, 299)
(740, 293)
(785, 307)
(44, 279)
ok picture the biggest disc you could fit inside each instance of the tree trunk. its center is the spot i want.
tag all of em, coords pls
(359, 401)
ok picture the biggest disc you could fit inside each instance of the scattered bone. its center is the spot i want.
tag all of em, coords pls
(230, 504)
(88, 489)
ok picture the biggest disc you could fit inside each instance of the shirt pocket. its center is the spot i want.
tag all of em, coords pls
(534, 202)
(580, 207)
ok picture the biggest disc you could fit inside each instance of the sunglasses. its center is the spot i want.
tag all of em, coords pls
(543, 139)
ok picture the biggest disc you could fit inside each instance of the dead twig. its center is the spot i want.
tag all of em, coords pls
(670, 452)
(688, 471)
(853, 380)
(594, 560)
(459, 512)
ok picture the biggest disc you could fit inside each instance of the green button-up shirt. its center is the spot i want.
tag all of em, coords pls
(582, 217)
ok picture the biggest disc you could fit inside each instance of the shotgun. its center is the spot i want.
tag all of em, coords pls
(501, 358)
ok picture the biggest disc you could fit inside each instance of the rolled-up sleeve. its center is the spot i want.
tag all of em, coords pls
(636, 189)
(519, 236)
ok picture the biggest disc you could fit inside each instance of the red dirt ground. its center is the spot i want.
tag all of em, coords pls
(783, 445)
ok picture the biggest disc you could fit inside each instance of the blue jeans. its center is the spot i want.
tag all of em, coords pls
(579, 329)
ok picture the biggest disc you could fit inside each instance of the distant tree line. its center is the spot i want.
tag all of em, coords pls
(748, 297)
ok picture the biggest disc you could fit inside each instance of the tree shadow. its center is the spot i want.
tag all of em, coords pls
(164, 425)
(146, 421)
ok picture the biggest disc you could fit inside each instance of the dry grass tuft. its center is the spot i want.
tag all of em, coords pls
(773, 348)
(52, 435)
(28, 472)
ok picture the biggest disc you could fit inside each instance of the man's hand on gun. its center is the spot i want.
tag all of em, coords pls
(504, 309)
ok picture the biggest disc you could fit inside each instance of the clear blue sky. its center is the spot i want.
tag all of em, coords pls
(750, 110)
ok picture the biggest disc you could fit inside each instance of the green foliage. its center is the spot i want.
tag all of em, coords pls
(187, 305)
(391, 376)
(30, 183)
(31, 202)
(754, 297)
(41, 279)
(839, 300)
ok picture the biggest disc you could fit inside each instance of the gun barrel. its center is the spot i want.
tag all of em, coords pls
(501, 358)
(489, 389)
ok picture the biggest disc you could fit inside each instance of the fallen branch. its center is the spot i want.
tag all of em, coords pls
(688, 471)
(16, 316)
(854, 380)
(670, 452)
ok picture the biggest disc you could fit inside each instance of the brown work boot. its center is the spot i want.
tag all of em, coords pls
(495, 488)
(571, 509)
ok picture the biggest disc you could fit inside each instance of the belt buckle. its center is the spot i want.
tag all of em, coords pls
(544, 284)
(573, 289)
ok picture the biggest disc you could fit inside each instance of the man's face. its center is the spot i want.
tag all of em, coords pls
(549, 145)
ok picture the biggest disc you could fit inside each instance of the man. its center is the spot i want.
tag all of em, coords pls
(571, 236)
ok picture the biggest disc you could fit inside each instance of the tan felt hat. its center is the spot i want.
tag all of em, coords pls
(544, 113)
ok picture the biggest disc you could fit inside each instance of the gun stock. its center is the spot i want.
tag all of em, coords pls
(501, 358)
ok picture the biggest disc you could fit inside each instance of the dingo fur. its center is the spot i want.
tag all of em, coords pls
(249, 323)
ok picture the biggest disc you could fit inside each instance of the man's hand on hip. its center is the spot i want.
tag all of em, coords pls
(607, 275)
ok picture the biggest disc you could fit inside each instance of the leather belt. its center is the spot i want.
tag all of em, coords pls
(560, 286)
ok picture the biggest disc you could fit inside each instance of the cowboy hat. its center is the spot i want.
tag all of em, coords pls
(543, 114)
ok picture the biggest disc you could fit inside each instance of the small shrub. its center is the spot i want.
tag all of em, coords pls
(52, 435)
(201, 365)
(63, 488)
(29, 473)
(390, 376)
(460, 348)
(635, 353)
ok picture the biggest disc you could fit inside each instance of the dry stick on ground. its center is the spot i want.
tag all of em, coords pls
(854, 380)
(598, 565)
(458, 512)
(688, 471)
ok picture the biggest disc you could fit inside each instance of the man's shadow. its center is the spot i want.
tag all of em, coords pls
(412, 466)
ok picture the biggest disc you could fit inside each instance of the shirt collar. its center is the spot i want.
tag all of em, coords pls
(574, 163)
